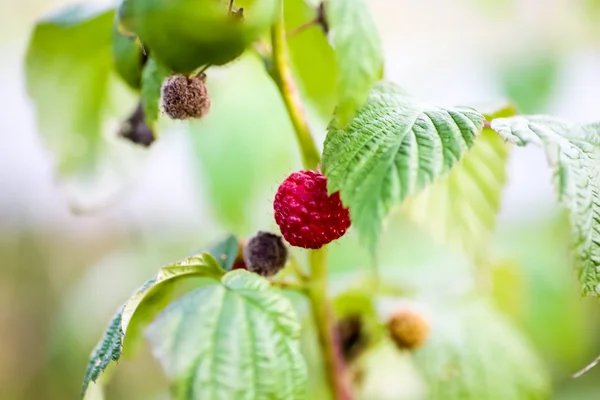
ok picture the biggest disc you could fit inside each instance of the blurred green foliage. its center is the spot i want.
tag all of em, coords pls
(59, 288)
(530, 82)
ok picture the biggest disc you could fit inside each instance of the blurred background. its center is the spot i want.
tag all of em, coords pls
(62, 275)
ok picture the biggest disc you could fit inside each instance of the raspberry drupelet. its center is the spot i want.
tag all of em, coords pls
(306, 215)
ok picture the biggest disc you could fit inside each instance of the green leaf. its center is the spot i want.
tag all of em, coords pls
(461, 208)
(110, 346)
(79, 103)
(473, 353)
(153, 77)
(573, 153)
(393, 148)
(236, 339)
(187, 34)
(67, 69)
(128, 57)
(358, 51)
(107, 350)
(226, 251)
(312, 57)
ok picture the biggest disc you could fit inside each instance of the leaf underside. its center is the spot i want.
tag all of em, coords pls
(573, 153)
(461, 209)
(110, 346)
(236, 339)
(394, 147)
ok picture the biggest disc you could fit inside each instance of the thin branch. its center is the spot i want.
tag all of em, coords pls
(299, 29)
(588, 368)
(290, 286)
(201, 72)
(322, 317)
(318, 20)
(282, 75)
(297, 270)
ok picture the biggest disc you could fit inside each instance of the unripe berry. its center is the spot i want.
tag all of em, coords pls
(184, 98)
(307, 216)
(408, 329)
(265, 254)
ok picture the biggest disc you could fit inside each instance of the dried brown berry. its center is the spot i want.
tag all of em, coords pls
(352, 336)
(408, 329)
(184, 98)
(239, 262)
(265, 254)
(135, 128)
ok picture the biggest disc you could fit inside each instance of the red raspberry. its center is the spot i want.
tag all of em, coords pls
(306, 215)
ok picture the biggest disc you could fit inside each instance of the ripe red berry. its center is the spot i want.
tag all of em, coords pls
(306, 215)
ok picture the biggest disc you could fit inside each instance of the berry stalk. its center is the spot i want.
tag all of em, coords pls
(317, 282)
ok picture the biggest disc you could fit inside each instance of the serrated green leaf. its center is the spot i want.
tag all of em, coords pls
(461, 208)
(358, 51)
(187, 34)
(393, 148)
(573, 153)
(78, 101)
(236, 339)
(107, 350)
(153, 77)
(111, 345)
(473, 353)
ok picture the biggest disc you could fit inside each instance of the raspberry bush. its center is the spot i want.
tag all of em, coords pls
(131, 68)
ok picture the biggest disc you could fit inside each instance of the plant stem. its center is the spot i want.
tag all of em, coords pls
(282, 75)
(297, 270)
(321, 313)
(290, 286)
(299, 29)
(317, 282)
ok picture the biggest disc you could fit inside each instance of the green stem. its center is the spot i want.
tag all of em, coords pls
(290, 286)
(282, 75)
(317, 284)
(322, 318)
